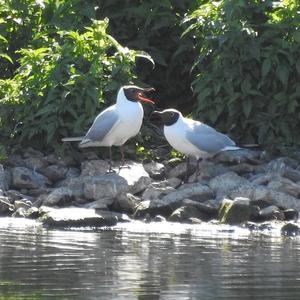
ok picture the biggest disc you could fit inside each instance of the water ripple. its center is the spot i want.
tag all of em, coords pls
(146, 261)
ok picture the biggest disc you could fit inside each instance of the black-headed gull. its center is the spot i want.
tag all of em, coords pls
(193, 138)
(117, 123)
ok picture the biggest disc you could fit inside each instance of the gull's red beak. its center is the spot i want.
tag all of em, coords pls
(142, 98)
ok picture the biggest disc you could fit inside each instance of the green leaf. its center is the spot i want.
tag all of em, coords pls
(2, 38)
(45, 110)
(247, 107)
(7, 57)
(292, 106)
(246, 86)
(296, 36)
(282, 73)
(298, 67)
(266, 67)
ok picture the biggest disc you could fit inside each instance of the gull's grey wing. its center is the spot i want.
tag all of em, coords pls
(103, 123)
(208, 139)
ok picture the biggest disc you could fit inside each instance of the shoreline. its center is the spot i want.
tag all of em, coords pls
(236, 188)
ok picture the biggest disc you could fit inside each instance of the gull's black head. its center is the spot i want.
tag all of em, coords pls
(168, 116)
(134, 93)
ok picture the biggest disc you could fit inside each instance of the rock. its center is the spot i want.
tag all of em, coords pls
(90, 154)
(173, 162)
(67, 161)
(171, 182)
(53, 159)
(76, 184)
(284, 185)
(155, 170)
(61, 196)
(157, 190)
(55, 172)
(36, 192)
(261, 179)
(136, 176)
(252, 192)
(19, 213)
(125, 203)
(291, 174)
(3, 179)
(208, 170)
(14, 160)
(104, 188)
(32, 213)
(159, 218)
(284, 200)
(244, 168)
(132, 180)
(280, 165)
(271, 212)
(25, 178)
(180, 170)
(254, 215)
(34, 163)
(21, 204)
(290, 229)
(94, 167)
(184, 213)
(72, 173)
(30, 152)
(235, 212)
(193, 210)
(256, 192)
(290, 214)
(285, 167)
(78, 217)
(224, 183)
(146, 209)
(194, 221)
(239, 156)
(168, 203)
(208, 212)
(14, 195)
(5, 206)
(196, 191)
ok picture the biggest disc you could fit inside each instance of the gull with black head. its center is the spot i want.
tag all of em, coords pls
(193, 138)
(117, 123)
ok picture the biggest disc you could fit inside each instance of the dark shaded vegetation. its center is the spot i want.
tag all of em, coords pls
(233, 64)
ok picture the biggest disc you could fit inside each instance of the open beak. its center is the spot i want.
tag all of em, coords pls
(141, 96)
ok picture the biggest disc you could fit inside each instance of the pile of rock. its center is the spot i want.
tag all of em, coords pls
(235, 187)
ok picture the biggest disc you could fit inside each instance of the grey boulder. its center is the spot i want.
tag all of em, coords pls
(25, 178)
(78, 217)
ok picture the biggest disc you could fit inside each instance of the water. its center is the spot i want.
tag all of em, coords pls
(146, 261)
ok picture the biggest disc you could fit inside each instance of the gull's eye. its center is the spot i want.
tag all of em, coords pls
(172, 114)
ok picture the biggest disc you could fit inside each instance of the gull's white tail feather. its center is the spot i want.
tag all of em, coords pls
(231, 148)
(73, 139)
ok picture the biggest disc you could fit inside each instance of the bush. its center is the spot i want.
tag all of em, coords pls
(155, 27)
(59, 87)
(24, 22)
(247, 70)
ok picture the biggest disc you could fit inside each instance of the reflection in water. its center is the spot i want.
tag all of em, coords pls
(145, 261)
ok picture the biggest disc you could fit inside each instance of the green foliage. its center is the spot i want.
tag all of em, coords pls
(59, 87)
(24, 22)
(155, 27)
(59, 66)
(247, 70)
